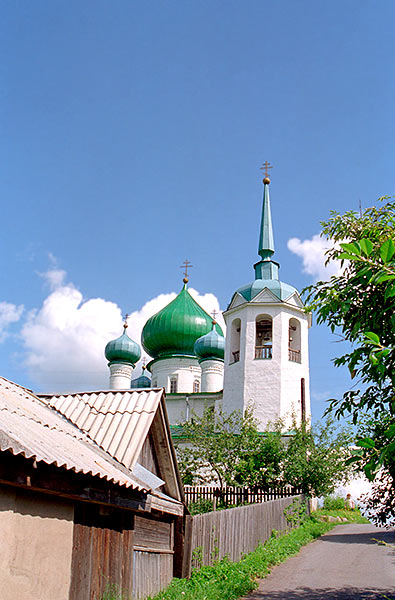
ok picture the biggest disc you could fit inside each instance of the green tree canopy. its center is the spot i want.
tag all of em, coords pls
(229, 449)
(360, 302)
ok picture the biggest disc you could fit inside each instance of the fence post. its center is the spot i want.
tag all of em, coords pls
(187, 551)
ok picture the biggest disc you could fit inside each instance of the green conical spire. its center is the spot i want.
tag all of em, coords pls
(266, 268)
(266, 239)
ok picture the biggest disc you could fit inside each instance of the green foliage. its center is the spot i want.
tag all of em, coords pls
(229, 448)
(203, 505)
(295, 514)
(315, 458)
(334, 503)
(360, 304)
(229, 581)
(352, 516)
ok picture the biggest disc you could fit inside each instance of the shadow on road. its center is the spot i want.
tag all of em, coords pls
(362, 538)
(347, 593)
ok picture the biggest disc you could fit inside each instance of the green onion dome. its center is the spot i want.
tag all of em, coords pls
(123, 350)
(141, 382)
(210, 346)
(174, 330)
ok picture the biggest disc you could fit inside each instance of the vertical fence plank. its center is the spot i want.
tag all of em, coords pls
(236, 531)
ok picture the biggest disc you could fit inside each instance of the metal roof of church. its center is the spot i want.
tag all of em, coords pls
(174, 330)
(32, 429)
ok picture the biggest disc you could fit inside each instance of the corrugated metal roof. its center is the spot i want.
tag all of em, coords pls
(118, 421)
(30, 428)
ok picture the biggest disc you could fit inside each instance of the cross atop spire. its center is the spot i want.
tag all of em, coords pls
(186, 265)
(265, 168)
(125, 322)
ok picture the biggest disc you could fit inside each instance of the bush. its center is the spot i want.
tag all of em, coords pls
(334, 503)
(203, 505)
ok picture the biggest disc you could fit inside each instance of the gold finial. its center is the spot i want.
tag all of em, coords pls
(143, 365)
(214, 314)
(186, 265)
(265, 168)
(125, 324)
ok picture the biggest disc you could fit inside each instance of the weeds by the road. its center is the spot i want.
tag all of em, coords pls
(353, 516)
(229, 581)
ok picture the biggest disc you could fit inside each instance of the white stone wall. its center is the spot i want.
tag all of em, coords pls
(187, 370)
(120, 376)
(272, 387)
(212, 375)
(181, 408)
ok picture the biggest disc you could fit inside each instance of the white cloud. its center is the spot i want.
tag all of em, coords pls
(313, 256)
(54, 277)
(9, 313)
(66, 337)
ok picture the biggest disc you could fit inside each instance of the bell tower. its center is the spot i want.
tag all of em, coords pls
(266, 365)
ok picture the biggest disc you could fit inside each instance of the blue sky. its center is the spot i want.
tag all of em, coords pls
(132, 136)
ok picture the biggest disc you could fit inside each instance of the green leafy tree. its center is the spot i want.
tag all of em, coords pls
(360, 304)
(217, 444)
(316, 458)
(229, 449)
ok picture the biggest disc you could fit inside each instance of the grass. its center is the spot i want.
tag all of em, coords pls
(229, 581)
(353, 516)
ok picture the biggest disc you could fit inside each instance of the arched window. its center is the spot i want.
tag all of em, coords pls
(173, 384)
(263, 337)
(196, 386)
(235, 341)
(294, 341)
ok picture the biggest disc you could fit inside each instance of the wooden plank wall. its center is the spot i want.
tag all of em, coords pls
(132, 554)
(235, 531)
(151, 573)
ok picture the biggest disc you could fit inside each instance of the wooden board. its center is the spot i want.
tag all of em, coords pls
(153, 534)
(235, 531)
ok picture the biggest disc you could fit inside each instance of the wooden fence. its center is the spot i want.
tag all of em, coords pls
(235, 531)
(236, 495)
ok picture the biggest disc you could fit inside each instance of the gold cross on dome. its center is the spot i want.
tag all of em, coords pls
(125, 323)
(214, 314)
(186, 265)
(265, 168)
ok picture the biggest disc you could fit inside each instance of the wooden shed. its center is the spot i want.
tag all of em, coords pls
(90, 495)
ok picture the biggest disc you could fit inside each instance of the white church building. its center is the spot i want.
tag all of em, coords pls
(262, 363)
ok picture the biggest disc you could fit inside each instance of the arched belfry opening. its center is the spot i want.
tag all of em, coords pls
(235, 341)
(263, 337)
(294, 349)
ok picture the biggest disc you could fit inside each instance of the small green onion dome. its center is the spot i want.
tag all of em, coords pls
(123, 350)
(141, 382)
(210, 346)
(174, 330)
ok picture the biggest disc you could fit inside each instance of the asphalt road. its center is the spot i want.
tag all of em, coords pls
(346, 563)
